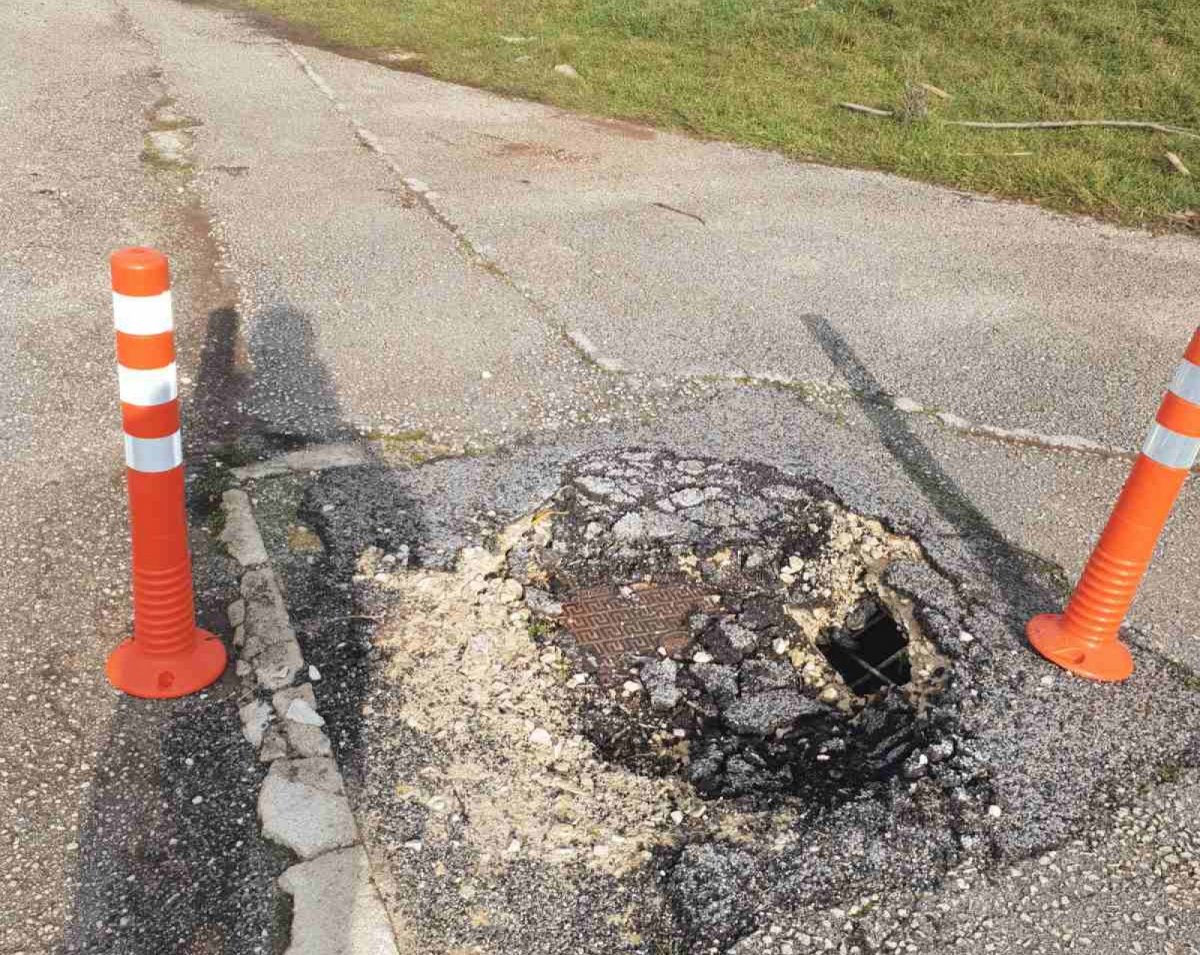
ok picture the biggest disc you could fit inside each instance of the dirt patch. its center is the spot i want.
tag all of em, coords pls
(500, 706)
(619, 127)
(533, 150)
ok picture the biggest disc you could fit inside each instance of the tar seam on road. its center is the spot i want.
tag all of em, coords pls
(577, 341)
(873, 394)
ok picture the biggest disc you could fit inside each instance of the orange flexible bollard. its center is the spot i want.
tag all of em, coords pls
(167, 656)
(1083, 639)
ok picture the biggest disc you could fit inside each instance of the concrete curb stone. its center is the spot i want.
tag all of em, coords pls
(306, 459)
(337, 908)
(240, 533)
(302, 804)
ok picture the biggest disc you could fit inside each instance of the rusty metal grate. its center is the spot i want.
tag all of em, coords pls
(872, 657)
(615, 623)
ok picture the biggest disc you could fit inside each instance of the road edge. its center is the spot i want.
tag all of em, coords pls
(302, 804)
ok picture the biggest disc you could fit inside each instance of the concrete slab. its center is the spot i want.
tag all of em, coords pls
(336, 910)
(302, 805)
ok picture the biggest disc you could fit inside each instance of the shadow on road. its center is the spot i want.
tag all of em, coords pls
(1023, 581)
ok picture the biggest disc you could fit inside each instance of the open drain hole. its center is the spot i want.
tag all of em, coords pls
(870, 653)
(741, 703)
(734, 629)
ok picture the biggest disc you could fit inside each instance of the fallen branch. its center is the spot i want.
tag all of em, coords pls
(869, 110)
(1043, 124)
(1178, 165)
(1073, 123)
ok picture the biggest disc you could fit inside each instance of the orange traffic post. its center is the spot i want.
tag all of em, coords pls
(168, 655)
(1083, 639)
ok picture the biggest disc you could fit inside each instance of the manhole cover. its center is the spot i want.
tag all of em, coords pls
(614, 624)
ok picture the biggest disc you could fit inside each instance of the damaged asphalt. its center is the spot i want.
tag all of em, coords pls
(1052, 754)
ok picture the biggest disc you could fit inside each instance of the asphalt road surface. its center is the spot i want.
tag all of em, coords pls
(365, 253)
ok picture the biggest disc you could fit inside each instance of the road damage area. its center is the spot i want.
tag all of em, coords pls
(678, 704)
(649, 786)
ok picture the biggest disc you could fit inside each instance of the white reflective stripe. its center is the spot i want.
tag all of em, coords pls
(1186, 383)
(1169, 448)
(143, 314)
(152, 455)
(147, 386)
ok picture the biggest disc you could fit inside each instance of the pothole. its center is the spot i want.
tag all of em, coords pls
(870, 651)
(735, 627)
(651, 704)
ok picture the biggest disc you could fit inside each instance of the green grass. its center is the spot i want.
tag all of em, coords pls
(770, 73)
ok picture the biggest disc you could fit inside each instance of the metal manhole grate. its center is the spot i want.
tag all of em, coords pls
(614, 623)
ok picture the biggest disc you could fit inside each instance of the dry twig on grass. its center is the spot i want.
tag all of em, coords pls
(1042, 124)
(869, 110)
(1177, 164)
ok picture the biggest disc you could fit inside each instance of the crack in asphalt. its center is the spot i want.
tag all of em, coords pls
(422, 194)
(877, 396)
